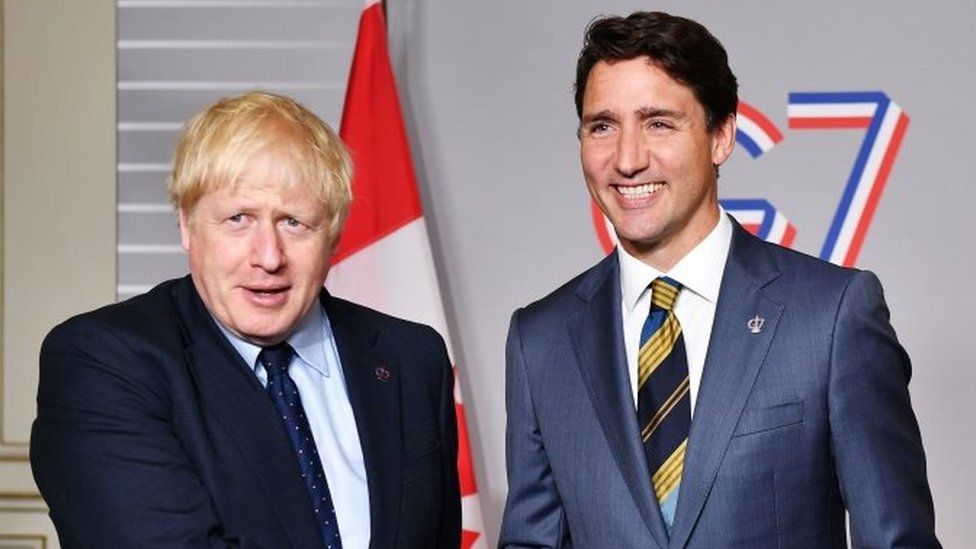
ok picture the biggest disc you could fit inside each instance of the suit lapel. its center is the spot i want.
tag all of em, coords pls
(597, 337)
(735, 356)
(373, 384)
(232, 393)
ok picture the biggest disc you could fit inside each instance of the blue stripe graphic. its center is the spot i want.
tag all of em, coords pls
(843, 208)
(753, 204)
(748, 144)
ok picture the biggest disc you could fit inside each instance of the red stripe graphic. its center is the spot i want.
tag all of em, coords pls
(602, 233)
(752, 227)
(789, 236)
(760, 120)
(830, 122)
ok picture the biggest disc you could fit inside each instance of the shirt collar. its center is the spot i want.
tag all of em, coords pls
(308, 340)
(699, 271)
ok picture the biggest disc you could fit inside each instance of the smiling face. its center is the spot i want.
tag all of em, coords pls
(649, 159)
(259, 249)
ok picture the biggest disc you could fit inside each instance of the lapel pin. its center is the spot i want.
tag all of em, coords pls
(755, 324)
(382, 373)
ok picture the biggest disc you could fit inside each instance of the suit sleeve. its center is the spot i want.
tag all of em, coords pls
(449, 536)
(104, 454)
(875, 438)
(534, 516)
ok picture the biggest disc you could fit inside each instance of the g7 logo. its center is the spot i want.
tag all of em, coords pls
(885, 124)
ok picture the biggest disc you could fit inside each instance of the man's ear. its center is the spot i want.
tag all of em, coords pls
(184, 229)
(723, 140)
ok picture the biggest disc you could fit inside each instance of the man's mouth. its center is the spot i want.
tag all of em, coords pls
(639, 191)
(263, 292)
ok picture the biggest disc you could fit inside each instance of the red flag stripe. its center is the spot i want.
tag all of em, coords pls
(386, 225)
(384, 191)
(465, 465)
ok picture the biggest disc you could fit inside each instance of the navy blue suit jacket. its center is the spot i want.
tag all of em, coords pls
(153, 432)
(793, 425)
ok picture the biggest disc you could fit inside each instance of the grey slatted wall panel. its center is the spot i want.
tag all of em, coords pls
(177, 56)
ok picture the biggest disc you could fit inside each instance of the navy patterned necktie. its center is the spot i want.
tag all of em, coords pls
(663, 400)
(284, 395)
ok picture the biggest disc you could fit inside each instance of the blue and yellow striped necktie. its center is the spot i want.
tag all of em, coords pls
(663, 400)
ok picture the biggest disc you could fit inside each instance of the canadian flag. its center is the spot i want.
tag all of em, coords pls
(384, 258)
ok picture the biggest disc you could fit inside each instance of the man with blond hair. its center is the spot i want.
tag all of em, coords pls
(242, 405)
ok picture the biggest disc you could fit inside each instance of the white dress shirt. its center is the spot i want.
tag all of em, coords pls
(700, 272)
(317, 372)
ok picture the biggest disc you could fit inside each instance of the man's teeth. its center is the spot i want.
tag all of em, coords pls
(640, 190)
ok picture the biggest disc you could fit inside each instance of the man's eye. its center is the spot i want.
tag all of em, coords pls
(292, 222)
(660, 125)
(236, 218)
(599, 127)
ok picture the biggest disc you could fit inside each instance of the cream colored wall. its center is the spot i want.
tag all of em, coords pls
(58, 214)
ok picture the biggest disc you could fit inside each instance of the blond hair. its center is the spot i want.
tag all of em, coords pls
(217, 144)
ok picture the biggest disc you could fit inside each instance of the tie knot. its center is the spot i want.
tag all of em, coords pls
(664, 291)
(276, 358)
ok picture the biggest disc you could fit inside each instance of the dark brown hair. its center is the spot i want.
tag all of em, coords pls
(682, 48)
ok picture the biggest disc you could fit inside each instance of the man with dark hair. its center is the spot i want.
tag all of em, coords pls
(700, 387)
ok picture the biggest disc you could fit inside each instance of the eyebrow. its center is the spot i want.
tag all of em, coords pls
(643, 113)
(598, 117)
(652, 112)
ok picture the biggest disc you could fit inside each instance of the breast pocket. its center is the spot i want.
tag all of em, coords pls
(768, 418)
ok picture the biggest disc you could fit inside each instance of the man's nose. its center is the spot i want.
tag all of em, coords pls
(632, 154)
(266, 248)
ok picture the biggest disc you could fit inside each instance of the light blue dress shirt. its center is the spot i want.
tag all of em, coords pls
(317, 372)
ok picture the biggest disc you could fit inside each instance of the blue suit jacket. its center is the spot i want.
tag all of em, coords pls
(792, 424)
(153, 432)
